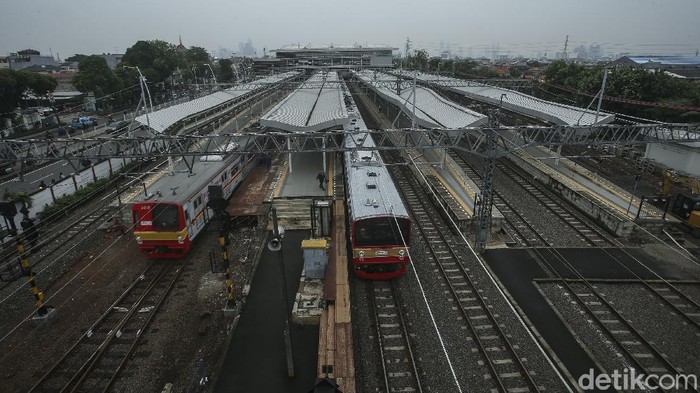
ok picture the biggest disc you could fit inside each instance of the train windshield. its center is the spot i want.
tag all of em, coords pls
(165, 217)
(381, 231)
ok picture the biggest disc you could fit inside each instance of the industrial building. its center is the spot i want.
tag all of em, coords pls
(369, 56)
(687, 67)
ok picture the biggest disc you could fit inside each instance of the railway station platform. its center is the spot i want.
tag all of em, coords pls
(606, 203)
(450, 186)
(299, 177)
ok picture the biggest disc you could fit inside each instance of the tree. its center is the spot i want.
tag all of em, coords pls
(629, 83)
(13, 85)
(96, 76)
(196, 55)
(156, 59)
(40, 85)
(225, 70)
(11, 90)
(76, 58)
(419, 59)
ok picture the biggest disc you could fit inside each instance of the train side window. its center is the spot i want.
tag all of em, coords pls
(187, 217)
(137, 223)
(195, 203)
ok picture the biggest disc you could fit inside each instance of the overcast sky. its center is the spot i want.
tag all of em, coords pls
(516, 26)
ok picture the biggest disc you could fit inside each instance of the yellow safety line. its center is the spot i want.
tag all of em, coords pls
(464, 185)
(451, 190)
(331, 167)
(278, 189)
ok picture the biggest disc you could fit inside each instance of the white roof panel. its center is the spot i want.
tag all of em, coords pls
(432, 110)
(310, 109)
(521, 103)
(163, 119)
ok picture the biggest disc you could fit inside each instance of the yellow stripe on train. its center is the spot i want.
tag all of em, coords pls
(152, 235)
(378, 252)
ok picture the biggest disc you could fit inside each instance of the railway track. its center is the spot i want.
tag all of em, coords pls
(498, 355)
(398, 363)
(526, 234)
(95, 361)
(589, 233)
(59, 233)
(521, 231)
(634, 347)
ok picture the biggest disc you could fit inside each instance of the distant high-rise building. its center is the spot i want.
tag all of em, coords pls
(580, 52)
(246, 49)
(595, 51)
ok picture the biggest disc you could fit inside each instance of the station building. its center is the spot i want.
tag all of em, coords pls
(342, 57)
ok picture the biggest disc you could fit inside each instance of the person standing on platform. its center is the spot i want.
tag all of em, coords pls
(321, 180)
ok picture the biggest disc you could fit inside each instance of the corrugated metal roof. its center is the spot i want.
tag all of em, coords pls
(666, 60)
(521, 103)
(310, 109)
(432, 110)
(163, 119)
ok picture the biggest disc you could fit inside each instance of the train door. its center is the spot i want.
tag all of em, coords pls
(186, 207)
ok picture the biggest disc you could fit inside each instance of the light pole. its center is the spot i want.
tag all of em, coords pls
(194, 72)
(144, 90)
(216, 83)
(275, 245)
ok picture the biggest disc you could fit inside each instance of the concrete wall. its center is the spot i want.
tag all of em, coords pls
(601, 214)
(675, 156)
(380, 61)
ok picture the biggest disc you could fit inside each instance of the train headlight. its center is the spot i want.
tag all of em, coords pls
(401, 254)
(138, 240)
(361, 254)
(180, 240)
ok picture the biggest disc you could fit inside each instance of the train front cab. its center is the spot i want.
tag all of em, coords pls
(378, 249)
(687, 207)
(160, 230)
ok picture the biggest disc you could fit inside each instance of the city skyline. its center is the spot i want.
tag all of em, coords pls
(539, 26)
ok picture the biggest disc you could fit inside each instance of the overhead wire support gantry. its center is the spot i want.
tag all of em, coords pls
(469, 139)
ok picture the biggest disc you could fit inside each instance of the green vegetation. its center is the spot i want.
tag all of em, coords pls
(581, 82)
(96, 76)
(67, 201)
(15, 84)
(159, 61)
(18, 196)
(225, 71)
(459, 68)
(76, 58)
